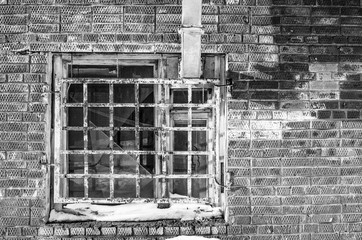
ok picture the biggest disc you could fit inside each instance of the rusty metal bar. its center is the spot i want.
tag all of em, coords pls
(146, 176)
(189, 142)
(85, 135)
(175, 83)
(134, 152)
(192, 105)
(137, 137)
(111, 140)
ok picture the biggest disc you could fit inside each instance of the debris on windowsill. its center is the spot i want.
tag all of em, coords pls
(134, 212)
(163, 203)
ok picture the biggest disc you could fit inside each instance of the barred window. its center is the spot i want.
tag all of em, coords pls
(126, 129)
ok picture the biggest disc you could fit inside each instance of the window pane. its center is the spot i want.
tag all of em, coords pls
(123, 93)
(75, 117)
(93, 71)
(199, 123)
(180, 96)
(180, 141)
(98, 117)
(199, 141)
(125, 164)
(147, 140)
(147, 188)
(98, 188)
(76, 163)
(147, 117)
(75, 93)
(98, 93)
(199, 188)
(199, 164)
(199, 96)
(75, 140)
(98, 140)
(124, 117)
(147, 164)
(146, 93)
(179, 186)
(124, 187)
(124, 140)
(179, 164)
(76, 187)
(136, 71)
(98, 163)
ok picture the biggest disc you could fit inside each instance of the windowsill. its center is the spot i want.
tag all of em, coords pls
(134, 212)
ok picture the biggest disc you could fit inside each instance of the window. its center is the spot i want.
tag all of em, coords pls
(127, 129)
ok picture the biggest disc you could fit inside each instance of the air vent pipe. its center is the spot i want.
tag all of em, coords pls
(191, 31)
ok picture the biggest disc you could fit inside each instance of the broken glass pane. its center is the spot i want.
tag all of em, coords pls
(75, 117)
(98, 188)
(180, 164)
(75, 140)
(180, 142)
(76, 163)
(124, 93)
(199, 188)
(98, 140)
(136, 71)
(124, 140)
(147, 140)
(98, 117)
(125, 164)
(75, 93)
(146, 93)
(147, 188)
(147, 164)
(199, 164)
(147, 117)
(124, 117)
(98, 93)
(199, 141)
(98, 163)
(124, 187)
(76, 187)
(93, 71)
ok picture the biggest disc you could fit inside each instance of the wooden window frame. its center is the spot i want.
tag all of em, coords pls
(166, 76)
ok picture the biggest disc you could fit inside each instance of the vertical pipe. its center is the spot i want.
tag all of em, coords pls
(191, 39)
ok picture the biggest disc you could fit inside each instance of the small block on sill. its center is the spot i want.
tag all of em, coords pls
(163, 205)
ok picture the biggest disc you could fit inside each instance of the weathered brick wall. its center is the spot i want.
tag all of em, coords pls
(294, 120)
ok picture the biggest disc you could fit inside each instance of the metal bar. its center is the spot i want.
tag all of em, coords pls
(189, 142)
(137, 137)
(134, 152)
(207, 83)
(146, 176)
(130, 200)
(167, 129)
(193, 105)
(111, 140)
(85, 135)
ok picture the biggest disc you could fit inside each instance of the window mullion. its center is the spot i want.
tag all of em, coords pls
(111, 140)
(85, 135)
(137, 138)
(189, 140)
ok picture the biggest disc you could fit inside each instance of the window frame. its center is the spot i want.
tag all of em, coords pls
(161, 73)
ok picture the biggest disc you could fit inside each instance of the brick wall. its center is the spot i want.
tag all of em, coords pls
(294, 114)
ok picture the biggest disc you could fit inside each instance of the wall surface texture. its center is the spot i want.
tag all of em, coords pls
(294, 113)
